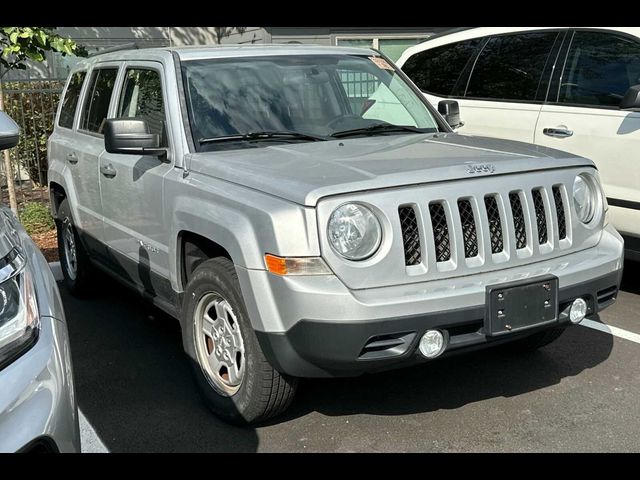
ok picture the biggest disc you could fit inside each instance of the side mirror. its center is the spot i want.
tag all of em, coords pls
(631, 99)
(130, 136)
(9, 132)
(450, 110)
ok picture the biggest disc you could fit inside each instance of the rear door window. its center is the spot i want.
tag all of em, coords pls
(96, 105)
(511, 67)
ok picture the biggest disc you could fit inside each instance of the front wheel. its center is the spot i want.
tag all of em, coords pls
(237, 382)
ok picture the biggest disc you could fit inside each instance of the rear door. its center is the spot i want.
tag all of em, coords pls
(87, 146)
(132, 186)
(583, 116)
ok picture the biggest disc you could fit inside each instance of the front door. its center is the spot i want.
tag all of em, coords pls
(583, 117)
(505, 91)
(132, 186)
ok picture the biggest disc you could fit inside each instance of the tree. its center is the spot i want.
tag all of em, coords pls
(18, 46)
(222, 32)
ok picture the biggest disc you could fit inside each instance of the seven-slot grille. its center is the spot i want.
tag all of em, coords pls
(519, 205)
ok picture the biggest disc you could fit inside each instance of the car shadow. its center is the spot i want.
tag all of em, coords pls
(134, 382)
(451, 383)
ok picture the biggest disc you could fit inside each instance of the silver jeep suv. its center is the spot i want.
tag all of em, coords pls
(304, 212)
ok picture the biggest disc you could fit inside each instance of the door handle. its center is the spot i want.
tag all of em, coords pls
(72, 158)
(558, 132)
(108, 171)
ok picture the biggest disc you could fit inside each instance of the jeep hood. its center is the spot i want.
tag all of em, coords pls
(305, 172)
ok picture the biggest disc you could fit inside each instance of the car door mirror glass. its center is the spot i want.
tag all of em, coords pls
(631, 99)
(9, 132)
(450, 110)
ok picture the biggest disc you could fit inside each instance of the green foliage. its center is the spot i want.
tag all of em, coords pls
(36, 218)
(19, 44)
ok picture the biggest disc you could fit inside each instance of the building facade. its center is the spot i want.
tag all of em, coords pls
(390, 40)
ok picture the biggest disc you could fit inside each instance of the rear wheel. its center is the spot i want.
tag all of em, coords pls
(535, 341)
(74, 260)
(237, 382)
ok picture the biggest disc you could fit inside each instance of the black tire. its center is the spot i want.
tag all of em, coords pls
(535, 341)
(264, 392)
(77, 283)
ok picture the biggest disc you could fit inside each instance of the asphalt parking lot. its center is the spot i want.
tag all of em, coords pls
(580, 394)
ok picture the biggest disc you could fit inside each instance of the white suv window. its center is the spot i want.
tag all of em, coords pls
(504, 71)
(440, 70)
(599, 69)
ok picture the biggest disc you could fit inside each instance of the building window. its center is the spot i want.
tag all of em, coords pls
(392, 47)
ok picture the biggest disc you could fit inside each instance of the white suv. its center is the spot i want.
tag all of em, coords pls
(575, 89)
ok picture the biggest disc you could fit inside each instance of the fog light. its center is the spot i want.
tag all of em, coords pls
(432, 344)
(578, 311)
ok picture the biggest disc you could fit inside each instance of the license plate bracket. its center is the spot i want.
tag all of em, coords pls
(513, 307)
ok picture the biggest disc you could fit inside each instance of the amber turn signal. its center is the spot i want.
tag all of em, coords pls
(285, 266)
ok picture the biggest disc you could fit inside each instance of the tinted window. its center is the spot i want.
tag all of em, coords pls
(70, 101)
(438, 70)
(142, 98)
(600, 69)
(96, 105)
(510, 67)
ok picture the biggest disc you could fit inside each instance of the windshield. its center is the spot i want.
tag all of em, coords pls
(240, 102)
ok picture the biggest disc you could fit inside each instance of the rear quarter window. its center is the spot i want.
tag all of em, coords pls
(70, 100)
(440, 70)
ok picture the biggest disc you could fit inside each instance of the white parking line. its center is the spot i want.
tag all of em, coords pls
(615, 331)
(89, 438)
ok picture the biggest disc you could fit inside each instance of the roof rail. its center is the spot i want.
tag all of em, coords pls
(117, 48)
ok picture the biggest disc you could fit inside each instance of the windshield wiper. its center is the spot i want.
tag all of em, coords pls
(266, 135)
(380, 127)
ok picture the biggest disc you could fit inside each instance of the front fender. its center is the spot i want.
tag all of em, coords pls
(247, 223)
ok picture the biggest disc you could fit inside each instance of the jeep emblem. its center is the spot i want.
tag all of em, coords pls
(481, 168)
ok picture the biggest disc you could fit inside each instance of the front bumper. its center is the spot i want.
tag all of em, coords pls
(37, 408)
(316, 327)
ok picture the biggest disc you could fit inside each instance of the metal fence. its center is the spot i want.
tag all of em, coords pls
(32, 104)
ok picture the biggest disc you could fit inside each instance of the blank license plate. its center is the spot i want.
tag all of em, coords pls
(514, 307)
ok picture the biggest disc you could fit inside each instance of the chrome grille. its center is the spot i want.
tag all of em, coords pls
(410, 236)
(518, 220)
(469, 233)
(562, 223)
(495, 224)
(440, 232)
(541, 216)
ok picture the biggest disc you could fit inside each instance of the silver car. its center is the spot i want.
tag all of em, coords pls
(38, 411)
(305, 212)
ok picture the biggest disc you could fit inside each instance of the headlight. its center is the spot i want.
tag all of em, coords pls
(19, 319)
(354, 232)
(585, 197)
